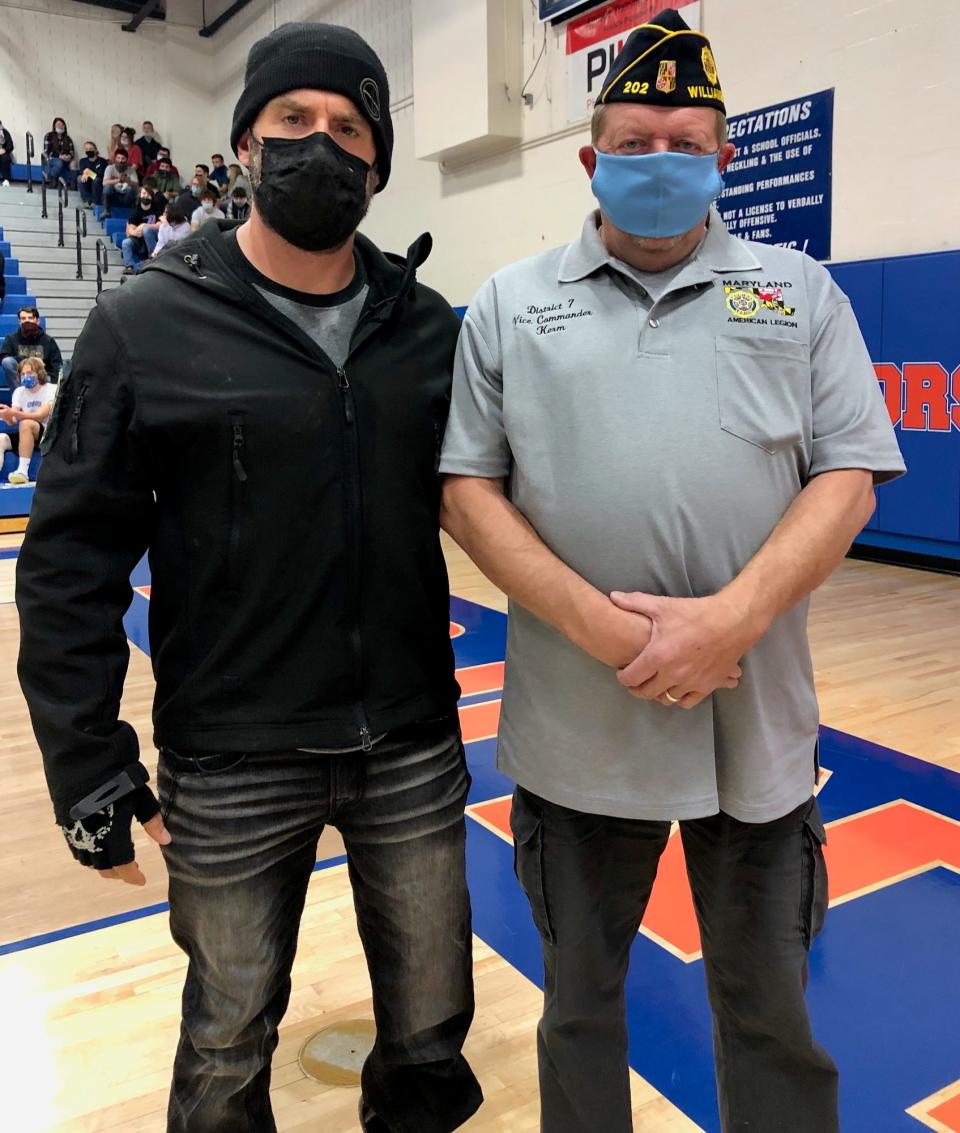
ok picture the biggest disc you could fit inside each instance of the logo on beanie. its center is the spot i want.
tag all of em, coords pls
(667, 78)
(709, 65)
(370, 93)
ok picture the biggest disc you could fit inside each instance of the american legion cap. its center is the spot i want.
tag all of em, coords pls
(665, 63)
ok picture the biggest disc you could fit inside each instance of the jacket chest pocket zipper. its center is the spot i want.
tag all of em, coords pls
(238, 479)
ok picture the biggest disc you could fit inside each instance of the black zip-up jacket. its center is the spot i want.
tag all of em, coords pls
(299, 592)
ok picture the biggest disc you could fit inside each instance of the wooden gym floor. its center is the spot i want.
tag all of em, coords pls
(91, 1019)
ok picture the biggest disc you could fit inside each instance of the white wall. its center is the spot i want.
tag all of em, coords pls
(73, 61)
(896, 157)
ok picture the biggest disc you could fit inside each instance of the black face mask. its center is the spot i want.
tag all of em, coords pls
(311, 192)
(91, 154)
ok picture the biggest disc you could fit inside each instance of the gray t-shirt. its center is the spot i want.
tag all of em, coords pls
(654, 444)
(331, 327)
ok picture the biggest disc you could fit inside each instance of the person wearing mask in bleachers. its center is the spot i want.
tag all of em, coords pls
(174, 227)
(167, 181)
(143, 227)
(134, 153)
(58, 152)
(120, 184)
(219, 173)
(90, 170)
(209, 208)
(29, 409)
(189, 199)
(30, 340)
(148, 144)
(237, 206)
(6, 156)
(163, 154)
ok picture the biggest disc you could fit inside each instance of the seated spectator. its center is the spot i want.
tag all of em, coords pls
(143, 227)
(238, 206)
(237, 177)
(174, 227)
(31, 404)
(134, 156)
(58, 152)
(30, 340)
(167, 181)
(189, 199)
(113, 141)
(120, 184)
(148, 144)
(90, 171)
(219, 173)
(209, 208)
(163, 154)
(202, 170)
(6, 156)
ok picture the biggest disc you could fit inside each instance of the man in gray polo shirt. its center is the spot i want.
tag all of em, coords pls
(662, 439)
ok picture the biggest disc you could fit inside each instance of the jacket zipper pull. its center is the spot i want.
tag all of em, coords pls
(365, 739)
(237, 450)
(345, 394)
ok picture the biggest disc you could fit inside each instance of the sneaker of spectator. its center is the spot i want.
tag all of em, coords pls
(29, 340)
(120, 183)
(209, 208)
(58, 152)
(238, 204)
(29, 409)
(174, 227)
(143, 227)
(90, 170)
(6, 156)
(134, 154)
(149, 145)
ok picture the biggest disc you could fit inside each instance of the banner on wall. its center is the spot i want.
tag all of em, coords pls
(594, 40)
(779, 185)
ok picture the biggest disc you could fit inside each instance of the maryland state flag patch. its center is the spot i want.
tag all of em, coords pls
(667, 76)
(748, 302)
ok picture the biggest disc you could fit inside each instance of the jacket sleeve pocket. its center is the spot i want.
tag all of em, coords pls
(526, 824)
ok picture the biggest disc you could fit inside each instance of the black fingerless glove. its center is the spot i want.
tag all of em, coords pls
(101, 838)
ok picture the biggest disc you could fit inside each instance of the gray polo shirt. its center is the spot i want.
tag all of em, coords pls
(654, 446)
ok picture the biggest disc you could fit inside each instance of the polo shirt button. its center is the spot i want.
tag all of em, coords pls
(654, 323)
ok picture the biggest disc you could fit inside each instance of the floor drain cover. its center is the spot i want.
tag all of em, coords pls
(335, 1055)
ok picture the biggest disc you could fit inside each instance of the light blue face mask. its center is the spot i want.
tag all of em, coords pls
(656, 194)
(28, 381)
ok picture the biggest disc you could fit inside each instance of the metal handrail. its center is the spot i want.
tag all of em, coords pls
(64, 189)
(43, 197)
(30, 153)
(60, 243)
(101, 272)
(81, 224)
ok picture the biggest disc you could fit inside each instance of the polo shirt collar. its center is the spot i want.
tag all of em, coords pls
(720, 252)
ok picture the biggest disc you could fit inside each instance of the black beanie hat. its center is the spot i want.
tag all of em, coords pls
(665, 63)
(318, 57)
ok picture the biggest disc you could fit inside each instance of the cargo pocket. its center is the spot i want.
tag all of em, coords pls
(526, 825)
(764, 391)
(814, 894)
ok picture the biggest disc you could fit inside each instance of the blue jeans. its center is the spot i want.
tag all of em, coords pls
(151, 235)
(54, 167)
(11, 371)
(91, 192)
(760, 892)
(245, 830)
(116, 197)
(133, 252)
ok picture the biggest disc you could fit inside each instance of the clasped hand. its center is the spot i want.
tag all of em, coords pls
(695, 648)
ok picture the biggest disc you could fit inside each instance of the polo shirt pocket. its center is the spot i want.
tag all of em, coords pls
(763, 390)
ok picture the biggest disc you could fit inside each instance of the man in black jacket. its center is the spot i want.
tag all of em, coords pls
(6, 157)
(30, 340)
(299, 612)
